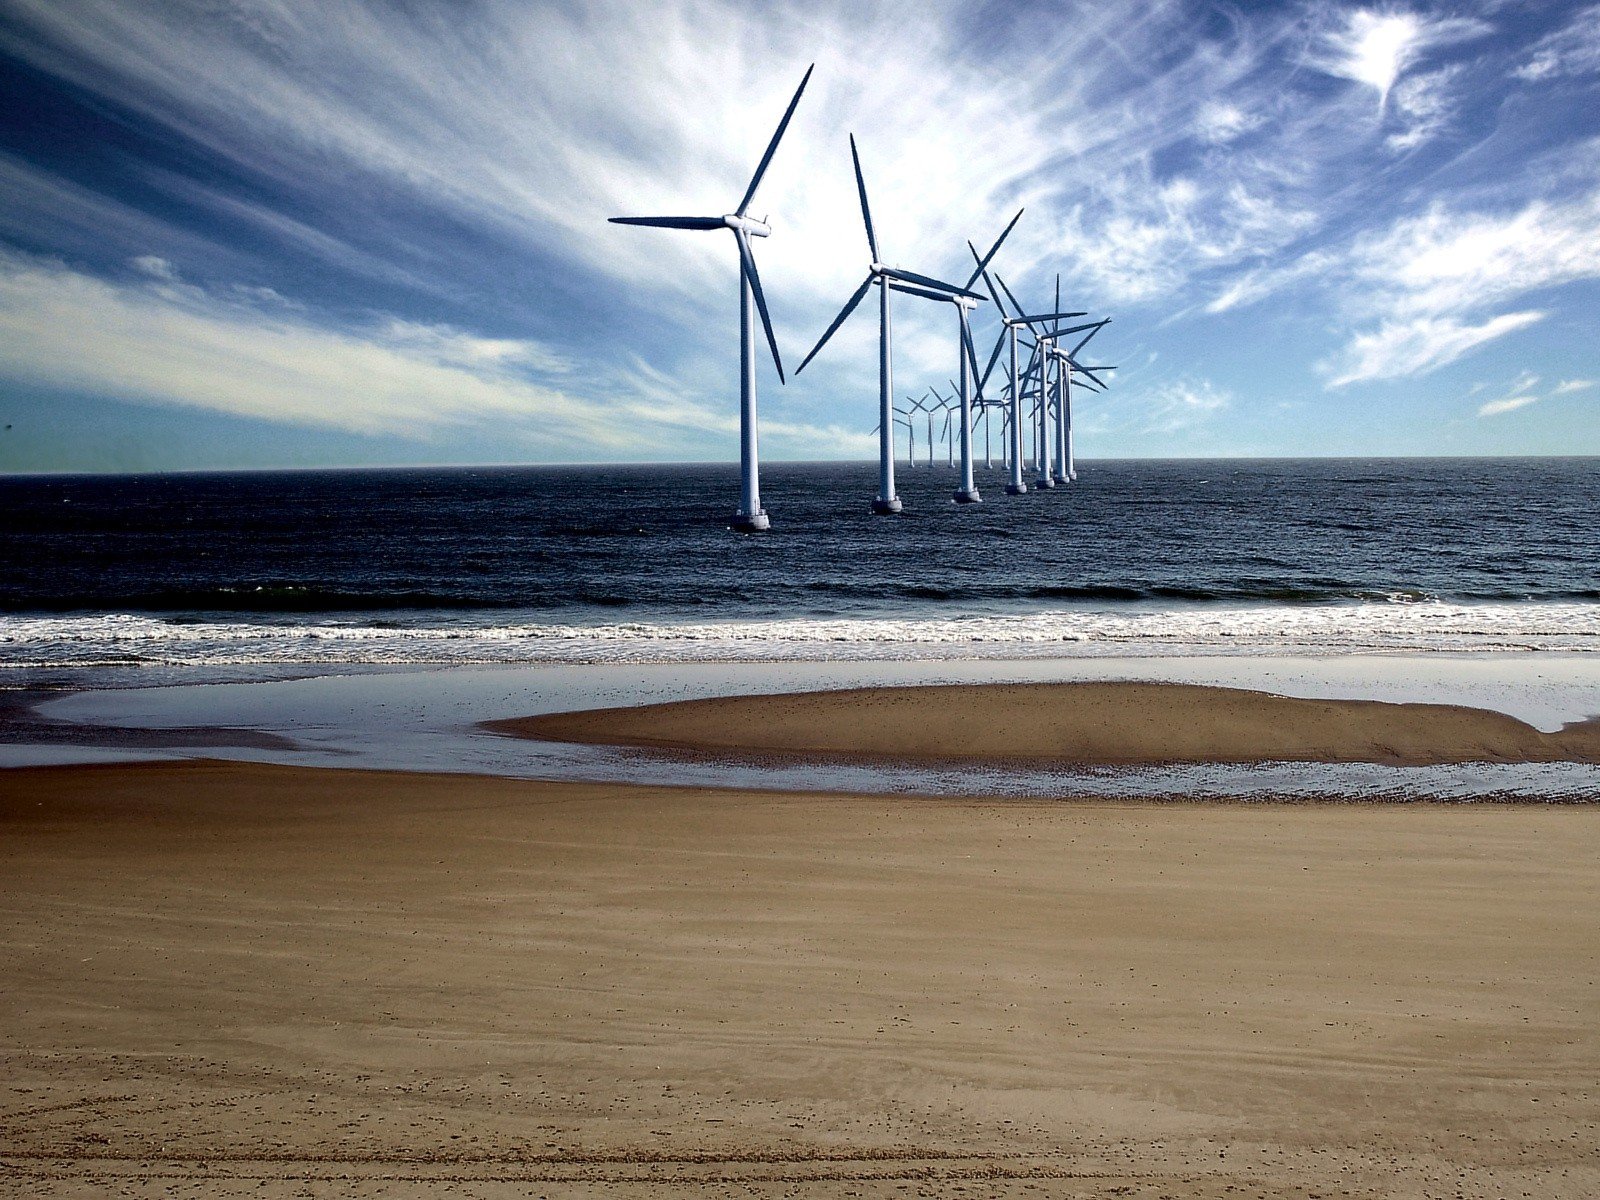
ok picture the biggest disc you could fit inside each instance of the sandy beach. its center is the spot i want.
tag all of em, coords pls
(232, 979)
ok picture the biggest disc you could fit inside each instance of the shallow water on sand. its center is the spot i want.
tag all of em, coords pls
(427, 720)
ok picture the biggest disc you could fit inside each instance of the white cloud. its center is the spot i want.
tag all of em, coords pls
(1495, 407)
(1422, 107)
(1402, 348)
(1572, 50)
(1220, 122)
(1572, 385)
(175, 344)
(1449, 261)
(155, 266)
(1173, 406)
(1375, 47)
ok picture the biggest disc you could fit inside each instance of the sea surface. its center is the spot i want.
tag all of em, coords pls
(608, 564)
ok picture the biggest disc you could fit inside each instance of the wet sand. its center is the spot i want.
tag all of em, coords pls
(226, 980)
(1083, 723)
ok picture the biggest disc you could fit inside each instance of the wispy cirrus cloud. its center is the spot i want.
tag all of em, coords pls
(1495, 408)
(1574, 49)
(1405, 348)
(171, 343)
(1525, 392)
(1170, 407)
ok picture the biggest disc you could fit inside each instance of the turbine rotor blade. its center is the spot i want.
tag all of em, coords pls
(861, 189)
(849, 307)
(994, 249)
(1088, 372)
(972, 357)
(1053, 316)
(1009, 296)
(929, 281)
(999, 344)
(672, 222)
(1057, 306)
(1098, 326)
(772, 146)
(917, 291)
(749, 264)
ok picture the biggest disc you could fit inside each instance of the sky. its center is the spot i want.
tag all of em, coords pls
(247, 233)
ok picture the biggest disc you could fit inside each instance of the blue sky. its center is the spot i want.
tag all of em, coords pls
(246, 233)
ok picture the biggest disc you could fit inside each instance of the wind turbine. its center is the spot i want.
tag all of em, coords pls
(887, 279)
(1067, 364)
(967, 491)
(1011, 326)
(940, 405)
(751, 516)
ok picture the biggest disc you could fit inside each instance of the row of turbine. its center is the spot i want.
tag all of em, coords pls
(1043, 385)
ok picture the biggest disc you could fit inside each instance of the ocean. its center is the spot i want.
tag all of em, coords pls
(603, 564)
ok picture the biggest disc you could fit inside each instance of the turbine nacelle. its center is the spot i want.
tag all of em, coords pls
(748, 224)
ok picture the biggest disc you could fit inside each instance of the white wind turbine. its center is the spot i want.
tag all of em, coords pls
(967, 490)
(1067, 363)
(886, 279)
(1011, 326)
(751, 516)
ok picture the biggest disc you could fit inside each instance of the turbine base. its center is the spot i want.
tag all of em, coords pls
(1044, 483)
(1061, 479)
(967, 496)
(886, 508)
(1016, 489)
(756, 522)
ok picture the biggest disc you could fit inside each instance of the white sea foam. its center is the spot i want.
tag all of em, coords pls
(130, 639)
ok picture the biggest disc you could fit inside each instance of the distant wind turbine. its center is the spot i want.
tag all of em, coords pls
(1011, 325)
(751, 516)
(1067, 364)
(886, 279)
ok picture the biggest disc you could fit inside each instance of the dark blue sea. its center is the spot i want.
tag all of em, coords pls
(609, 563)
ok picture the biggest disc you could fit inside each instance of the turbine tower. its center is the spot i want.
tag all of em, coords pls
(886, 279)
(751, 516)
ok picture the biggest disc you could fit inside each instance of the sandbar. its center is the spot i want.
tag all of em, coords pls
(1111, 723)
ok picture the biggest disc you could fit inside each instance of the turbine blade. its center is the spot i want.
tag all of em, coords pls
(988, 283)
(861, 189)
(929, 281)
(1098, 326)
(849, 307)
(1057, 306)
(1088, 372)
(755, 180)
(1007, 291)
(916, 291)
(1054, 316)
(672, 222)
(999, 344)
(972, 356)
(994, 249)
(761, 300)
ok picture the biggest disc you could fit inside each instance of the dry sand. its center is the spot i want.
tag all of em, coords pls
(226, 980)
(1110, 723)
